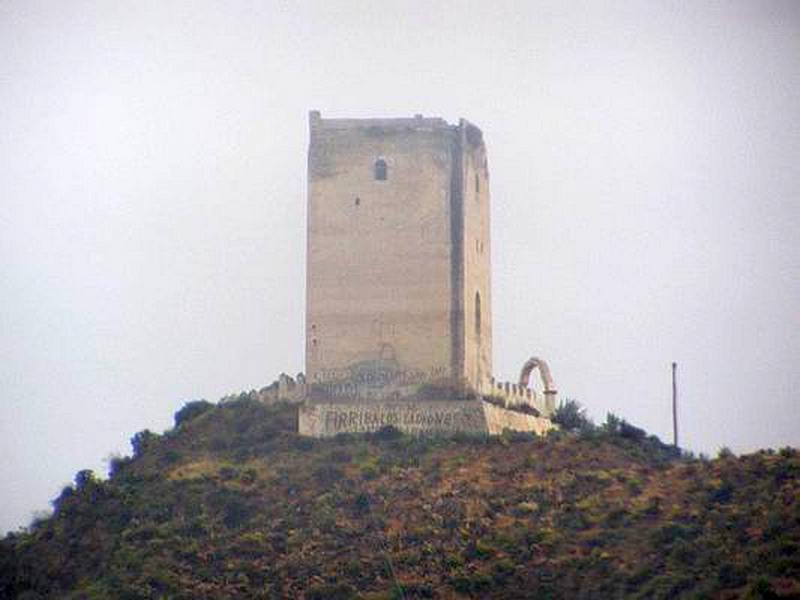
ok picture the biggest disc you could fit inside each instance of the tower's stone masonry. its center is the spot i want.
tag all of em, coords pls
(398, 307)
(398, 278)
(418, 417)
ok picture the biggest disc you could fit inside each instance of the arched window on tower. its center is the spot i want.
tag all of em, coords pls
(380, 170)
(478, 314)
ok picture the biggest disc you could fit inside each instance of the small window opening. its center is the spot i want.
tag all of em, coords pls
(477, 183)
(477, 314)
(358, 201)
(380, 170)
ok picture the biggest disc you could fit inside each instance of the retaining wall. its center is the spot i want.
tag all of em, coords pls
(433, 417)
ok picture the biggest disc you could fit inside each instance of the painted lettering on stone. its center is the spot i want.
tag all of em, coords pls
(371, 380)
(409, 417)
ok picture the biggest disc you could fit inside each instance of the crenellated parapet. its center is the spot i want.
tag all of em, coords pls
(519, 395)
(284, 389)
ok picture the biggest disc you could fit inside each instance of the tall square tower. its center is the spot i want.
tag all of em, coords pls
(398, 273)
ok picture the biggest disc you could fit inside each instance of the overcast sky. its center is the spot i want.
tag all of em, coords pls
(644, 178)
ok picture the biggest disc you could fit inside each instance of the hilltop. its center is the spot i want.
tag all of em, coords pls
(231, 503)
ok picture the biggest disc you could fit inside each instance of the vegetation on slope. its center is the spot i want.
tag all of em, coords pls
(231, 503)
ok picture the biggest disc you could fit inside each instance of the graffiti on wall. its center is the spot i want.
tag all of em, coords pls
(379, 378)
(330, 419)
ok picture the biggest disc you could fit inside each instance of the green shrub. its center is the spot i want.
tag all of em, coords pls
(725, 452)
(340, 455)
(235, 513)
(302, 443)
(362, 503)
(683, 553)
(632, 432)
(116, 464)
(84, 478)
(331, 591)
(388, 432)
(760, 589)
(249, 475)
(191, 410)
(171, 456)
(227, 473)
(369, 471)
(731, 575)
(556, 517)
(472, 585)
(502, 570)
(571, 416)
(516, 437)
(722, 493)
(141, 441)
(328, 474)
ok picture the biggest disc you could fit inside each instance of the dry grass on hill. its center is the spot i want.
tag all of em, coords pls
(232, 504)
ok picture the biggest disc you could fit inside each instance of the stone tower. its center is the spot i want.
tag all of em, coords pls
(398, 272)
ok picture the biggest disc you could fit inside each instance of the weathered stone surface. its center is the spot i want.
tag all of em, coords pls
(398, 268)
(498, 419)
(398, 287)
(415, 417)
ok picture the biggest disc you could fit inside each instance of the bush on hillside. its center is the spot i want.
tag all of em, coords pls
(388, 432)
(725, 452)
(571, 416)
(141, 441)
(238, 505)
(617, 426)
(190, 410)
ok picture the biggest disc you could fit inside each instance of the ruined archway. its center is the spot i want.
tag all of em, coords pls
(544, 372)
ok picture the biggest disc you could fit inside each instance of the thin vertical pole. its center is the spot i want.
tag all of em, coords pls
(674, 405)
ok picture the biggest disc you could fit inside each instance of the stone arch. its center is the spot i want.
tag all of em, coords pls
(544, 372)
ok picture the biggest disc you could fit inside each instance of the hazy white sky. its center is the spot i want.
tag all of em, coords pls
(644, 175)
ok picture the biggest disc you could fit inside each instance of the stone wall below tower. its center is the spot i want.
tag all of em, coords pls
(516, 395)
(433, 417)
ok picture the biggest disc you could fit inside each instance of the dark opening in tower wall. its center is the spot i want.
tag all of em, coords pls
(380, 170)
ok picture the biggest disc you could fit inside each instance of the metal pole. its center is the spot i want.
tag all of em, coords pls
(674, 405)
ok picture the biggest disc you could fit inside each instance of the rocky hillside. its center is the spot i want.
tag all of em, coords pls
(231, 503)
